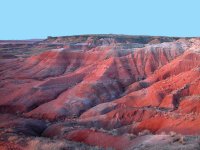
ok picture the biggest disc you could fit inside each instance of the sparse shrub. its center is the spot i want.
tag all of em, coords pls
(102, 130)
(172, 133)
(93, 129)
(130, 135)
(182, 139)
(144, 132)
(113, 132)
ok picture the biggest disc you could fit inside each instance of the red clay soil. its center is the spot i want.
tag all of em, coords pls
(130, 84)
(99, 139)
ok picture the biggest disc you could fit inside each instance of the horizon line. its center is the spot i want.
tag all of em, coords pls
(93, 34)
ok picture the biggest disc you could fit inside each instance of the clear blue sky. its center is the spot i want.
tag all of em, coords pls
(27, 19)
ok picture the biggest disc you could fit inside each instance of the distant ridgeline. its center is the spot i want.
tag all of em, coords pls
(99, 39)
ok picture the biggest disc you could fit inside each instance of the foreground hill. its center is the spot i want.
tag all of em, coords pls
(116, 91)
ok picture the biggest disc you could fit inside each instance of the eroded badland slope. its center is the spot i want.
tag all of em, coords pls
(105, 91)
